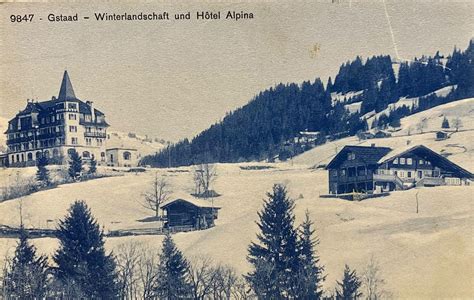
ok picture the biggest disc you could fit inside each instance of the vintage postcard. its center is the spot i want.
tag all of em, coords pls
(237, 150)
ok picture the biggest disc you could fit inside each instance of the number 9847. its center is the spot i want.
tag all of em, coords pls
(21, 18)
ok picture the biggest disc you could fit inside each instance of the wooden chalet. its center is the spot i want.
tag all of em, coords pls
(380, 169)
(189, 214)
(442, 135)
(353, 169)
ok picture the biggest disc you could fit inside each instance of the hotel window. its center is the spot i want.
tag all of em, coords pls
(421, 162)
(72, 128)
(409, 162)
(72, 117)
(71, 106)
(74, 140)
(409, 174)
(402, 160)
(88, 141)
(395, 161)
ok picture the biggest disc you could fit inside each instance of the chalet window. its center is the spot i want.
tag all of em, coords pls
(421, 162)
(395, 161)
(409, 161)
(343, 172)
(351, 156)
(402, 160)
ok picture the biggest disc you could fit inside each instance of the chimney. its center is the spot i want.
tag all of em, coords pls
(372, 145)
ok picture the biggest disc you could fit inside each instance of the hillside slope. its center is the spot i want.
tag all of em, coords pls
(459, 147)
(436, 242)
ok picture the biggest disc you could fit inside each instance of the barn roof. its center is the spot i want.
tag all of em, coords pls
(201, 203)
(368, 154)
(428, 154)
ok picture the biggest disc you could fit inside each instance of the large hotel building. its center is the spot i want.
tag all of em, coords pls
(56, 127)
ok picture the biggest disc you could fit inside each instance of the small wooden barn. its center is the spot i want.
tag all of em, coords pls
(189, 214)
(441, 135)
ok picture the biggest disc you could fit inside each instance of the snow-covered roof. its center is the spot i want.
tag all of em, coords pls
(181, 197)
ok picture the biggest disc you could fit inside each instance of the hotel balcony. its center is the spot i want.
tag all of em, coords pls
(95, 134)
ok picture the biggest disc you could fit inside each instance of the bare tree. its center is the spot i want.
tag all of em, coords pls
(457, 123)
(209, 281)
(373, 282)
(422, 125)
(159, 192)
(201, 276)
(138, 269)
(204, 176)
(128, 257)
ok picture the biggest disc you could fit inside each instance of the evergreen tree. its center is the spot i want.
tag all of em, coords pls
(348, 289)
(93, 165)
(445, 123)
(276, 255)
(42, 173)
(27, 275)
(172, 279)
(75, 165)
(81, 259)
(310, 275)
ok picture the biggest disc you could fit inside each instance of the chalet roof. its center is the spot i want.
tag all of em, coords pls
(428, 154)
(367, 154)
(201, 203)
(66, 92)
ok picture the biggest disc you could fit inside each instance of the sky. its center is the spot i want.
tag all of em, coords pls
(173, 79)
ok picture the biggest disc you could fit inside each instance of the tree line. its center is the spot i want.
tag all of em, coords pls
(284, 260)
(260, 129)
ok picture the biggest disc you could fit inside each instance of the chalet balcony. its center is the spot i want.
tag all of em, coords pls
(352, 179)
(95, 134)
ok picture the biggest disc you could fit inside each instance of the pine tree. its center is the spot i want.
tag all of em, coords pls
(93, 165)
(27, 275)
(275, 257)
(310, 275)
(81, 257)
(172, 281)
(445, 123)
(75, 165)
(42, 173)
(350, 285)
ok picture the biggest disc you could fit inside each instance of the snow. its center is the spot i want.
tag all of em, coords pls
(424, 255)
(409, 102)
(144, 145)
(353, 107)
(339, 97)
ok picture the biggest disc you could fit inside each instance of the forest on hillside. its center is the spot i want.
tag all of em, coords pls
(260, 129)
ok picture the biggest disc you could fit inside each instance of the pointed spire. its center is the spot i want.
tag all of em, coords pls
(66, 92)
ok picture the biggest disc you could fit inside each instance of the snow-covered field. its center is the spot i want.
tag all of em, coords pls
(424, 255)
